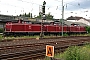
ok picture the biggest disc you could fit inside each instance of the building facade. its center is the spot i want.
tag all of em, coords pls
(79, 19)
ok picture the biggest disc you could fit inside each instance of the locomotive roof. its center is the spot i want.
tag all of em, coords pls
(37, 22)
(5, 20)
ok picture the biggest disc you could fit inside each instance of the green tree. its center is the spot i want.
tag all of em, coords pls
(26, 15)
(88, 29)
(31, 15)
(39, 16)
(20, 15)
(48, 16)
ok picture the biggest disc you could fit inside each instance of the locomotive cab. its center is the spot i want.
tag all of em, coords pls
(20, 21)
(8, 26)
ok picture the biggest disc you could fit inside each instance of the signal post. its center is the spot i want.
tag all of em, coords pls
(43, 18)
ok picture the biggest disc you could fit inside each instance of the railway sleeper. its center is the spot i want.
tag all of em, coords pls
(10, 59)
(17, 55)
(15, 58)
(3, 56)
(35, 55)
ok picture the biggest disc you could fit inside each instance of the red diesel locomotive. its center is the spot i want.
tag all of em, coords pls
(28, 28)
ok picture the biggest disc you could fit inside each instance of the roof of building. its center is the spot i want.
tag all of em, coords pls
(87, 20)
(69, 23)
(6, 20)
(6, 17)
(74, 18)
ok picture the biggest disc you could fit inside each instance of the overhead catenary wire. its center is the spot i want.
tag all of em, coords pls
(15, 11)
(66, 4)
(77, 5)
(48, 7)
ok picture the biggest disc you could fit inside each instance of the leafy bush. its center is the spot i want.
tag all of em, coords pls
(1, 30)
(77, 53)
(88, 29)
(74, 53)
(65, 34)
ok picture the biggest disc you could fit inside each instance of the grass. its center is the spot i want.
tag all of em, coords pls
(37, 36)
(10, 38)
(22, 37)
(1, 37)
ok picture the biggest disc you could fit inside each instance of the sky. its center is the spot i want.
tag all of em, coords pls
(71, 7)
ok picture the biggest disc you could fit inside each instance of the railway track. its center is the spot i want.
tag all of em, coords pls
(34, 49)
